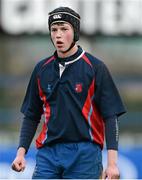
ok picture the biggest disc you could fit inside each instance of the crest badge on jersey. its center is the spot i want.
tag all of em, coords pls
(78, 87)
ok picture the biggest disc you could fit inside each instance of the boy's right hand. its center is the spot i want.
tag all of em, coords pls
(19, 162)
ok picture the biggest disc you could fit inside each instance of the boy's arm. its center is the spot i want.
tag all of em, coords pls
(112, 136)
(27, 133)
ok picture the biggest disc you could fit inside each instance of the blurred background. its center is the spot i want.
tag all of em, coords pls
(110, 29)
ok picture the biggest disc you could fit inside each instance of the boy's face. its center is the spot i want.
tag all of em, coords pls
(62, 35)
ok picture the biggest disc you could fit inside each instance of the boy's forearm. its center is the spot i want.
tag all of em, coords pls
(27, 133)
(112, 132)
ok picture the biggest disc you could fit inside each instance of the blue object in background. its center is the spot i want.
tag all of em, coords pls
(129, 163)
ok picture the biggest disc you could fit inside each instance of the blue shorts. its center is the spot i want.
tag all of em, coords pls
(69, 161)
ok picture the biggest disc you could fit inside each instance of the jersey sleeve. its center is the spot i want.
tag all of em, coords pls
(106, 95)
(32, 106)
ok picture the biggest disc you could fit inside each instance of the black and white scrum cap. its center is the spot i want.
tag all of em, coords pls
(66, 14)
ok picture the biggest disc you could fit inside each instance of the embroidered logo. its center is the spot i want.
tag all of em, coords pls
(49, 88)
(57, 16)
(78, 87)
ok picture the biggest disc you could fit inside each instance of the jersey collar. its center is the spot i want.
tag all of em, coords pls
(70, 59)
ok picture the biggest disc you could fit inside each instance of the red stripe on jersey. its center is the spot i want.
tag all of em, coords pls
(97, 125)
(88, 102)
(93, 117)
(86, 59)
(43, 134)
(49, 60)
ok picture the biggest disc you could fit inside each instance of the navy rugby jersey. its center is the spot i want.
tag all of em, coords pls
(75, 94)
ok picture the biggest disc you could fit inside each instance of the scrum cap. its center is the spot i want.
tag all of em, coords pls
(66, 14)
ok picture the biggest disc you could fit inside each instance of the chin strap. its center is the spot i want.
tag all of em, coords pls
(71, 46)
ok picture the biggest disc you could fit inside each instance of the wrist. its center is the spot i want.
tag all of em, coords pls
(21, 151)
(112, 163)
(112, 158)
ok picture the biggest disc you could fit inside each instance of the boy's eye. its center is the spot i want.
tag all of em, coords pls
(64, 29)
(53, 29)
